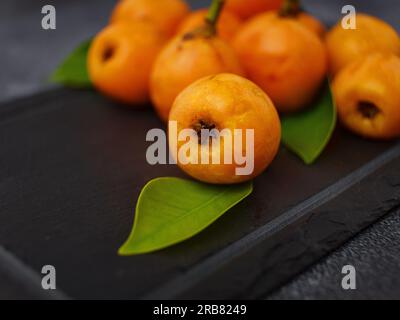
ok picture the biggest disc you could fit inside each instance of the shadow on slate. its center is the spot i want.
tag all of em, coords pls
(73, 164)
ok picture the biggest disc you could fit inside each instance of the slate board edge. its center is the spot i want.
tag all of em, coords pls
(26, 279)
(176, 287)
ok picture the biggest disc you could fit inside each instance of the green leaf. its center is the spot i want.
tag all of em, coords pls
(170, 210)
(73, 71)
(307, 133)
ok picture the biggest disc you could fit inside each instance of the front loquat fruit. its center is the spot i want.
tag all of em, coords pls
(231, 104)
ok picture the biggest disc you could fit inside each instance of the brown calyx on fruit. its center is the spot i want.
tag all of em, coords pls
(209, 28)
(368, 109)
(206, 31)
(200, 125)
(290, 8)
(108, 53)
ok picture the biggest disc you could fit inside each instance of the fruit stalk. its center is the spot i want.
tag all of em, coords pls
(290, 8)
(214, 13)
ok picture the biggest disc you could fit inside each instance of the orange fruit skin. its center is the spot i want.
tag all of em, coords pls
(312, 24)
(165, 14)
(371, 35)
(285, 59)
(227, 26)
(248, 8)
(374, 79)
(132, 49)
(229, 102)
(185, 60)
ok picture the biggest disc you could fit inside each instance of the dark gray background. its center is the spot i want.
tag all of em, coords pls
(29, 54)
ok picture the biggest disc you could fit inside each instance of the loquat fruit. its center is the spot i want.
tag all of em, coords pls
(248, 8)
(292, 9)
(367, 94)
(234, 105)
(286, 59)
(120, 60)
(185, 59)
(165, 14)
(370, 35)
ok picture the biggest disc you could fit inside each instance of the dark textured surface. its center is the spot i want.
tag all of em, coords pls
(11, 288)
(29, 55)
(18, 281)
(69, 186)
(309, 233)
(375, 255)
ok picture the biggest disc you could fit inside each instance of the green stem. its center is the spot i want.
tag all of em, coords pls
(214, 13)
(290, 8)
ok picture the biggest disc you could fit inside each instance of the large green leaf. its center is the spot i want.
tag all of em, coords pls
(170, 210)
(73, 71)
(307, 133)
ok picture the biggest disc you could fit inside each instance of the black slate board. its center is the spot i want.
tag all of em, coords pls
(73, 163)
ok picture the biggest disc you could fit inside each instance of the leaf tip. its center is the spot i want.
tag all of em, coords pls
(124, 251)
(311, 158)
(54, 78)
(310, 162)
(121, 251)
(130, 249)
